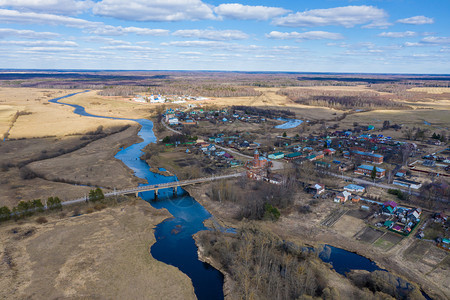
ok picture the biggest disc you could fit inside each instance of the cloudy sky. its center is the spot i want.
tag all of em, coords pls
(379, 36)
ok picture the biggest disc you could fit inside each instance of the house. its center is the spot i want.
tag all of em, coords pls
(367, 156)
(173, 121)
(440, 217)
(401, 173)
(354, 188)
(329, 151)
(275, 179)
(388, 224)
(355, 198)
(293, 156)
(211, 147)
(414, 215)
(278, 155)
(315, 156)
(342, 197)
(227, 155)
(366, 170)
(189, 122)
(407, 183)
(322, 164)
(308, 149)
(140, 99)
(318, 188)
(389, 207)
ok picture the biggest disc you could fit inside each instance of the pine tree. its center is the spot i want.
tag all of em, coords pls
(373, 175)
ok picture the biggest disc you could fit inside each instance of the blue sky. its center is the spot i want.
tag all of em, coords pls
(379, 36)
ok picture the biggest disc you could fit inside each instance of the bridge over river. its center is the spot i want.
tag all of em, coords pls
(155, 187)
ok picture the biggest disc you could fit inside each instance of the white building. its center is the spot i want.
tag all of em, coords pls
(173, 121)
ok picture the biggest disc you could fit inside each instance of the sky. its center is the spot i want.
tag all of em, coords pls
(354, 36)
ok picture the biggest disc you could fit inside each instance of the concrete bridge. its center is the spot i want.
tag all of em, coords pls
(155, 187)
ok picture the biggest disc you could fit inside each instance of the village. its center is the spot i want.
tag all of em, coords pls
(376, 176)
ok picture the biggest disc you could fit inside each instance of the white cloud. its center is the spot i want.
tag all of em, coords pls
(190, 53)
(129, 48)
(40, 43)
(109, 41)
(14, 16)
(27, 34)
(347, 16)
(417, 20)
(398, 34)
(285, 47)
(309, 35)
(156, 10)
(214, 35)
(213, 45)
(69, 7)
(98, 28)
(247, 12)
(208, 44)
(437, 40)
(430, 41)
(46, 49)
(119, 30)
(413, 44)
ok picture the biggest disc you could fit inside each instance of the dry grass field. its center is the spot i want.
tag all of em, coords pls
(431, 90)
(101, 255)
(42, 118)
(92, 165)
(119, 107)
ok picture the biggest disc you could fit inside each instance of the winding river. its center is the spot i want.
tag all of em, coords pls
(174, 243)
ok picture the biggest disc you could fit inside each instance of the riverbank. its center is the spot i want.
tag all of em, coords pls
(67, 167)
(227, 282)
(105, 254)
(306, 229)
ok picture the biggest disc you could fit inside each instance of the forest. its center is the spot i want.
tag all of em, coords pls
(341, 99)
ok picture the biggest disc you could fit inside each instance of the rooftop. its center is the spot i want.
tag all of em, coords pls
(370, 168)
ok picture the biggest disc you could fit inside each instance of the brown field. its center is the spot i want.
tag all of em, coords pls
(101, 255)
(92, 165)
(348, 226)
(44, 119)
(431, 90)
(119, 107)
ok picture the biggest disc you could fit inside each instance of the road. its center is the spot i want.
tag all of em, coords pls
(171, 129)
(364, 181)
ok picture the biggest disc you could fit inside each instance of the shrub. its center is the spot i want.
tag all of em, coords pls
(54, 203)
(271, 213)
(41, 220)
(95, 195)
(5, 213)
(26, 173)
(304, 209)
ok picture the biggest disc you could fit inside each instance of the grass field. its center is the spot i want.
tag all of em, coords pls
(43, 118)
(101, 255)
(383, 244)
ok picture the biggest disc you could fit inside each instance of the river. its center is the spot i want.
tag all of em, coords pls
(174, 242)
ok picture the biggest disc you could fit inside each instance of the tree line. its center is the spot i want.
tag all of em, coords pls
(263, 112)
(340, 99)
(28, 208)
